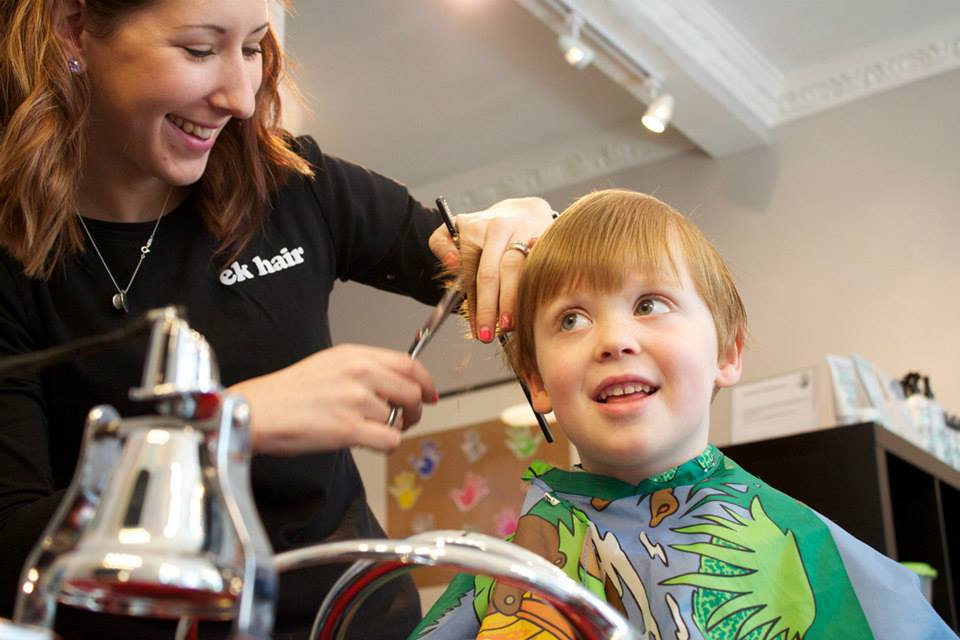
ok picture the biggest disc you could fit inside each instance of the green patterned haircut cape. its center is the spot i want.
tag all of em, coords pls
(703, 550)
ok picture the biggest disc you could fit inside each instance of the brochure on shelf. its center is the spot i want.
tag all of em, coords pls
(850, 401)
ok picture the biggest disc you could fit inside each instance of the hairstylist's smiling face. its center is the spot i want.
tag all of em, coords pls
(165, 82)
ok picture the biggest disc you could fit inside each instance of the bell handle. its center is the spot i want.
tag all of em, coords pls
(255, 610)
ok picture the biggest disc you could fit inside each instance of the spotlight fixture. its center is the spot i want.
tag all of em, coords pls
(575, 51)
(658, 113)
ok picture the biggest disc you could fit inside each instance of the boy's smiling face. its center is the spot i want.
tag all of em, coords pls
(630, 373)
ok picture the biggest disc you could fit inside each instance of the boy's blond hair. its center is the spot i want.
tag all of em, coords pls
(594, 245)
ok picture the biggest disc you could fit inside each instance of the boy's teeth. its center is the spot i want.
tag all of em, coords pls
(200, 132)
(623, 390)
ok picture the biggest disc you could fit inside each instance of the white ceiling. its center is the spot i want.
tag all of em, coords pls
(472, 98)
(836, 28)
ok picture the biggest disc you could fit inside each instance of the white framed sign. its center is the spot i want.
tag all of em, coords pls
(774, 407)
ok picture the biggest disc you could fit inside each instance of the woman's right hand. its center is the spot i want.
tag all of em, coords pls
(336, 398)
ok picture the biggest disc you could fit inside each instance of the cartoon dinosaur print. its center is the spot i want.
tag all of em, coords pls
(662, 504)
(653, 550)
(614, 562)
(600, 504)
(682, 633)
(541, 537)
(743, 557)
(557, 531)
(535, 619)
(722, 488)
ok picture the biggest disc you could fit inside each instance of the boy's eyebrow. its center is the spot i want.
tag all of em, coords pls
(218, 28)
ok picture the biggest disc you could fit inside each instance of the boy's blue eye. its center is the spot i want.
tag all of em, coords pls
(572, 320)
(651, 306)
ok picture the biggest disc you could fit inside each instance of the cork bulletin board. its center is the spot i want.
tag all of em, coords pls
(464, 478)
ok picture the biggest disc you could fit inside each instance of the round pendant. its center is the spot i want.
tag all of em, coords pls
(119, 301)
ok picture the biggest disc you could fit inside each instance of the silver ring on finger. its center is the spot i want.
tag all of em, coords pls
(520, 246)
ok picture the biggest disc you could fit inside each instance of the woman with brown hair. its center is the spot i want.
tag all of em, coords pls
(142, 164)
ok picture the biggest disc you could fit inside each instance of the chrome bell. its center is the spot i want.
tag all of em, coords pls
(159, 519)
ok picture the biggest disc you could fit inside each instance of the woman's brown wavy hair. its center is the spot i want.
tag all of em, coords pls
(43, 114)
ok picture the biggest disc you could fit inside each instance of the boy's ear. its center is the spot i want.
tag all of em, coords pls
(730, 364)
(539, 397)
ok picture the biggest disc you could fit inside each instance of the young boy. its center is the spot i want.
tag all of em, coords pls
(628, 323)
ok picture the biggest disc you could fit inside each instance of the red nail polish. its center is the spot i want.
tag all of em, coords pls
(506, 322)
(485, 334)
(450, 260)
(436, 397)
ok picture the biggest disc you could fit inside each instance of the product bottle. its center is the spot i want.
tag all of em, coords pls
(940, 438)
(919, 410)
(953, 430)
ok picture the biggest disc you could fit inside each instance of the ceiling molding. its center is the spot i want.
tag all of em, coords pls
(708, 114)
(844, 83)
(728, 94)
(710, 50)
(537, 172)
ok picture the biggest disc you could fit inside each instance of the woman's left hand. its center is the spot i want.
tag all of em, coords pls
(493, 231)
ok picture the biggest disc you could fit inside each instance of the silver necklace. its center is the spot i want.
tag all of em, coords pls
(119, 299)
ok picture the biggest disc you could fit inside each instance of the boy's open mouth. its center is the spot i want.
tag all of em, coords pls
(624, 391)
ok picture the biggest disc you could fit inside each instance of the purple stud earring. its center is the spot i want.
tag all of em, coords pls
(73, 65)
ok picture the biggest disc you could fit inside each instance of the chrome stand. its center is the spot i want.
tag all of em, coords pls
(379, 561)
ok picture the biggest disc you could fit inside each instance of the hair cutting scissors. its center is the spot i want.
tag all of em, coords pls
(451, 300)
